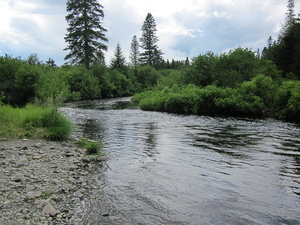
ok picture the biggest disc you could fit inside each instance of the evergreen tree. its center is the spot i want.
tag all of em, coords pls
(119, 60)
(134, 54)
(151, 55)
(187, 62)
(50, 62)
(85, 32)
(290, 16)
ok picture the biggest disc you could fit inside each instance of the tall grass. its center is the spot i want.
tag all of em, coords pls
(33, 122)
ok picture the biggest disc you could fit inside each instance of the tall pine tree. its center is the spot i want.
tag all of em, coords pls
(134, 54)
(290, 16)
(85, 32)
(152, 55)
(119, 60)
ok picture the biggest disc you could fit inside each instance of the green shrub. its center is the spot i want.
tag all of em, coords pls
(289, 100)
(210, 100)
(260, 86)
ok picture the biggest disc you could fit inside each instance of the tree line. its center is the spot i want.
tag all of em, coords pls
(239, 82)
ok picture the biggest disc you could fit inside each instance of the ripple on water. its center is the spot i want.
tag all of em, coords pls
(174, 169)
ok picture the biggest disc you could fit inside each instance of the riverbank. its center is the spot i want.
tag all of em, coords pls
(41, 181)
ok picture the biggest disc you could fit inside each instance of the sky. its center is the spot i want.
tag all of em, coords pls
(185, 28)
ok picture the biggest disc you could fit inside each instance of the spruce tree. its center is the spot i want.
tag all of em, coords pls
(85, 31)
(119, 60)
(134, 54)
(151, 55)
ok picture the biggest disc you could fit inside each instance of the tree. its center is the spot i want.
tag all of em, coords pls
(134, 54)
(84, 32)
(290, 16)
(152, 55)
(50, 62)
(119, 61)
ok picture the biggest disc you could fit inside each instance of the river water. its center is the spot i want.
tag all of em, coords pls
(177, 169)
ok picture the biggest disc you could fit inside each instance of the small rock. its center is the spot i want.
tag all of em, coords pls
(32, 195)
(50, 210)
(22, 162)
(37, 157)
(37, 145)
(17, 178)
(69, 154)
(29, 188)
(86, 160)
(102, 158)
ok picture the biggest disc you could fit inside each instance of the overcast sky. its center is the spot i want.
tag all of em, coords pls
(185, 28)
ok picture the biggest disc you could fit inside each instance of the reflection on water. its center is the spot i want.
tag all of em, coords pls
(173, 169)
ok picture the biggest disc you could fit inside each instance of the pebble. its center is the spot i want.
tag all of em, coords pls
(40, 181)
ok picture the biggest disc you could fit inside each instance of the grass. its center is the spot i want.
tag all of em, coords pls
(92, 148)
(47, 194)
(33, 122)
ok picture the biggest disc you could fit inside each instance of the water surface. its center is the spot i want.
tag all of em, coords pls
(175, 169)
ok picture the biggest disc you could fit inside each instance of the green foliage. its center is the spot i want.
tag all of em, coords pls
(202, 69)
(85, 32)
(260, 86)
(82, 80)
(119, 60)
(170, 78)
(285, 52)
(147, 76)
(234, 67)
(289, 100)
(191, 99)
(33, 121)
(134, 52)
(46, 194)
(53, 87)
(90, 146)
(152, 55)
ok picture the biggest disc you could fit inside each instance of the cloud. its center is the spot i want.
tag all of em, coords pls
(185, 28)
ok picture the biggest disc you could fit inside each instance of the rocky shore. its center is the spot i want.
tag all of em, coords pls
(41, 181)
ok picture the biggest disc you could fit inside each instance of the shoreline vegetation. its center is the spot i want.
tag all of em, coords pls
(34, 122)
(260, 97)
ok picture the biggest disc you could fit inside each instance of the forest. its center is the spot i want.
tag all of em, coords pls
(241, 82)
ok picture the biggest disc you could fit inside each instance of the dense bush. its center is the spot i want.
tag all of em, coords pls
(23, 81)
(147, 76)
(81, 80)
(191, 99)
(288, 101)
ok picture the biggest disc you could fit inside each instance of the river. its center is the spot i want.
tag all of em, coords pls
(184, 169)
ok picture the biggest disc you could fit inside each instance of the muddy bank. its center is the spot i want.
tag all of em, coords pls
(41, 181)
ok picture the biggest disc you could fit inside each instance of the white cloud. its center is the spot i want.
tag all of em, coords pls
(185, 28)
